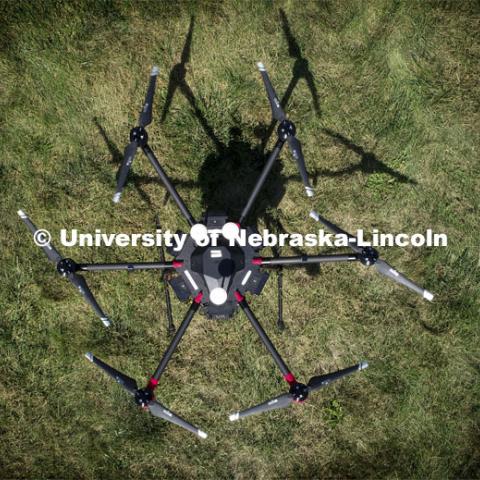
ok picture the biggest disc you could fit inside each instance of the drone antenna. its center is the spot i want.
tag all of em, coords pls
(166, 288)
(280, 322)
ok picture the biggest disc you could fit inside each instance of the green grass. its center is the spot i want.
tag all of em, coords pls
(397, 83)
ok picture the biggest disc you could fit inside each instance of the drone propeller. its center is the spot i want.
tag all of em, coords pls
(298, 392)
(144, 396)
(138, 135)
(286, 129)
(369, 256)
(65, 266)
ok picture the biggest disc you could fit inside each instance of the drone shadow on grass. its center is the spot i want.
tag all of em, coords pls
(369, 163)
(300, 71)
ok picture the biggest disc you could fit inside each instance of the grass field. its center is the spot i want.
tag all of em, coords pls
(390, 132)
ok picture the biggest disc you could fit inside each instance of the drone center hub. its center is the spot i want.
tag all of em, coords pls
(219, 269)
(139, 135)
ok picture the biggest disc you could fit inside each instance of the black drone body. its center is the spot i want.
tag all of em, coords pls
(216, 277)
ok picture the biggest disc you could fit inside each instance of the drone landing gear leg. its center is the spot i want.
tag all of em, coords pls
(175, 341)
(287, 375)
(280, 322)
(168, 303)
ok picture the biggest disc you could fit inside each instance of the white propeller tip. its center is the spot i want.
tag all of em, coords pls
(314, 215)
(116, 197)
(261, 66)
(234, 416)
(427, 295)
(155, 71)
(89, 356)
(21, 214)
(201, 434)
(106, 321)
(362, 365)
(309, 191)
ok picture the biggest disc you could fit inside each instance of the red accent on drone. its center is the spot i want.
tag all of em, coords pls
(198, 298)
(152, 383)
(239, 297)
(289, 378)
(177, 264)
(257, 261)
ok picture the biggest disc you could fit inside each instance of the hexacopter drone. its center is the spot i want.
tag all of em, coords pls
(218, 277)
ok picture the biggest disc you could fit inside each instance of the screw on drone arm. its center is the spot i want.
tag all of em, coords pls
(368, 256)
(168, 184)
(95, 267)
(66, 267)
(286, 129)
(144, 397)
(138, 136)
(287, 375)
(178, 336)
(298, 392)
(303, 260)
(261, 180)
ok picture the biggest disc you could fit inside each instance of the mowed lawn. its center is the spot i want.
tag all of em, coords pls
(385, 96)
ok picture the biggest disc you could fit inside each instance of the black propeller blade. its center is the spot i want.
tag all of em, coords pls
(369, 256)
(277, 110)
(298, 392)
(138, 135)
(128, 383)
(65, 266)
(144, 397)
(286, 129)
(48, 248)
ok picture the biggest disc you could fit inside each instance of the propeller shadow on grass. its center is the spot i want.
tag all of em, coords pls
(177, 81)
(369, 163)
(300, 71)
